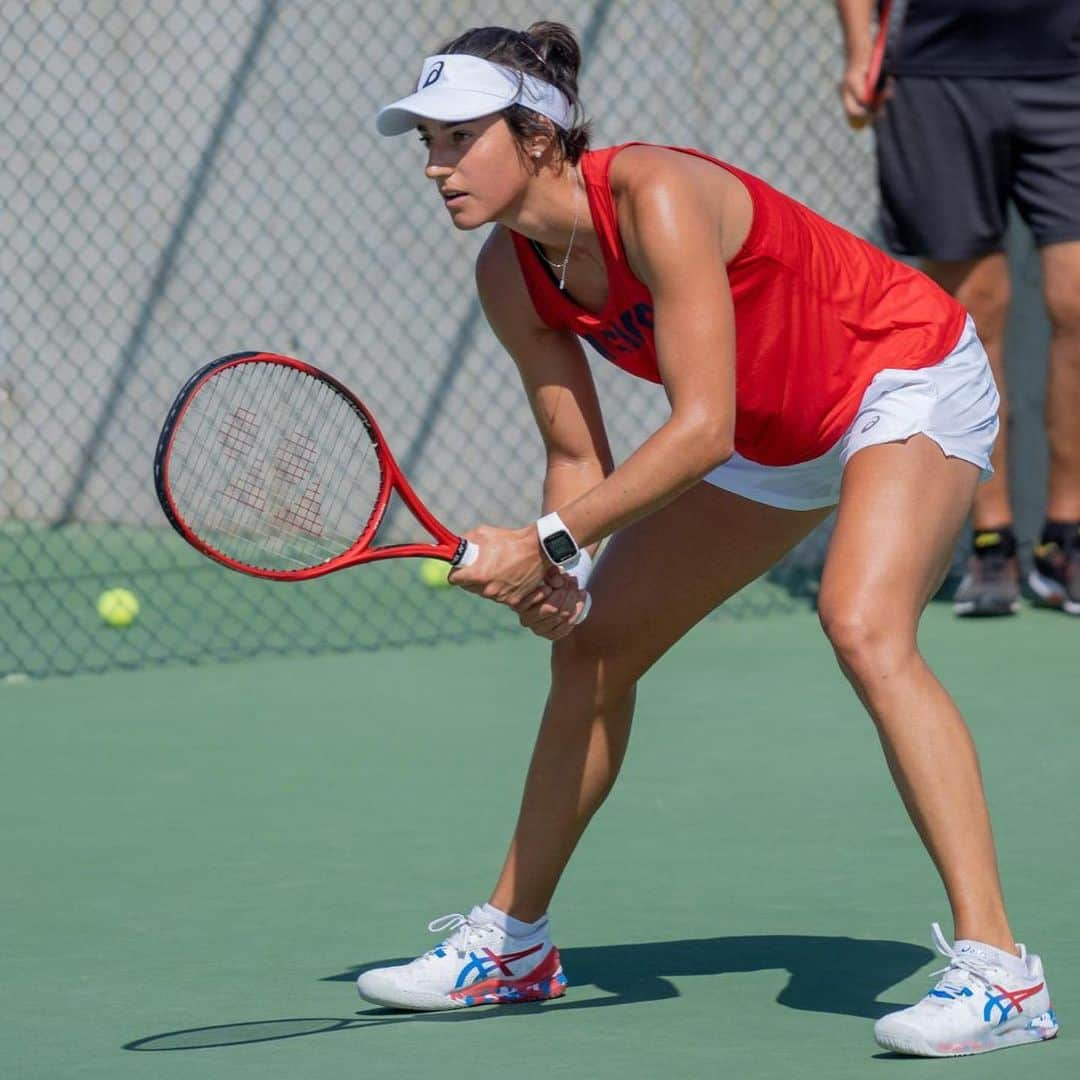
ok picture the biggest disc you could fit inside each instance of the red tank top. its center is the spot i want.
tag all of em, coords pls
(818, 313)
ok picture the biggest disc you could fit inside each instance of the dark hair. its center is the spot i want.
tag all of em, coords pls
(547, 50)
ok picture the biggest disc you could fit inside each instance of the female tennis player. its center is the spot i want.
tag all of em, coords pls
(805, 370)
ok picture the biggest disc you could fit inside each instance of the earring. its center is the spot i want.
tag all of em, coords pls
(536, 155)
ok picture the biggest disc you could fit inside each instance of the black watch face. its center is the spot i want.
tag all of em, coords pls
(560, 546)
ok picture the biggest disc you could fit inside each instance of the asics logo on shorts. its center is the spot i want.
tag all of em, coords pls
(869, 424)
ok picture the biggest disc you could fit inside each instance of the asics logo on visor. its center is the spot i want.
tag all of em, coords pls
(454, 87)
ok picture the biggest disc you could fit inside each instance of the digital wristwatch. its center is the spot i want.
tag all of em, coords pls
(555, 538)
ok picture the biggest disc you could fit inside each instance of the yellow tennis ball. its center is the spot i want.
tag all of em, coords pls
(118, 607)
(434, 573)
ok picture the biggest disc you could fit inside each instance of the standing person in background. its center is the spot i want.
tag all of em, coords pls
(984, 108)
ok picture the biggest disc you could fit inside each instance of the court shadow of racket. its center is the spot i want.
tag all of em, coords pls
(839, 975)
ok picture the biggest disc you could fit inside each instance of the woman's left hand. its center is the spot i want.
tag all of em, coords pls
(558, 614)
(510, 568)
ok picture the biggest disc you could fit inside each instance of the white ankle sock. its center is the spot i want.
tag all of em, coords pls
(513, 927)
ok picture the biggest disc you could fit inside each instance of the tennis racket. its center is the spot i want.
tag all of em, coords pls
(274, 468)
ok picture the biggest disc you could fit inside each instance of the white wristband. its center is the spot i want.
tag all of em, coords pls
(580, 569)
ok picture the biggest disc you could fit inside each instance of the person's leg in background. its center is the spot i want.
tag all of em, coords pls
(944, 172)
(991, 585)
(1046, 190)
(1056, 574)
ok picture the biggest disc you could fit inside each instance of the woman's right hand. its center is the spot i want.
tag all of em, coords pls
(553, 616)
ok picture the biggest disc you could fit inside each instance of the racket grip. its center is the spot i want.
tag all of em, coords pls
(469, 555)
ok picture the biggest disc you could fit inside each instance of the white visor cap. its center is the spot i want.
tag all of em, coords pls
(457, 86)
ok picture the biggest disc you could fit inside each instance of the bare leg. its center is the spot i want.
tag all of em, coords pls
(1061, 284)
(649, 589)
(982, 286)
(876, 583)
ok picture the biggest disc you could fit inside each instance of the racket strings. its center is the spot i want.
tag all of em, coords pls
(273, 468)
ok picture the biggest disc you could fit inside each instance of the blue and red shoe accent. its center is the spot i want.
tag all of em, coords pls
(1005, 1001)
(545, 981)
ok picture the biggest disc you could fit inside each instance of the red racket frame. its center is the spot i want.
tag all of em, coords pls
(873, 90)
(449, 547)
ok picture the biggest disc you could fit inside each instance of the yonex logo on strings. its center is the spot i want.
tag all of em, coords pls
(433, 74)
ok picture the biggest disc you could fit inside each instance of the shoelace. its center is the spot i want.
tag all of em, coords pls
(963, 967)
(447, 922)
(459, 926)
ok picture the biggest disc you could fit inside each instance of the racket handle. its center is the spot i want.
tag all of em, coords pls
(472, 553)
(469, 555)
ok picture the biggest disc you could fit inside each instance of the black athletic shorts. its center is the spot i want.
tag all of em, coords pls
(953, 151)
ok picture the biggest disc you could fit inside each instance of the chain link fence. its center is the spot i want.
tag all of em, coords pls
(185, 180)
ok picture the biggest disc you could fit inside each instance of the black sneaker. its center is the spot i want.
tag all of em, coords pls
(1055, 580)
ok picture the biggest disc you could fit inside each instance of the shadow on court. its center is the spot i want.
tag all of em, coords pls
(828, 975)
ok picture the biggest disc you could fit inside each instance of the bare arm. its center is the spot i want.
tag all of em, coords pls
(563, 399)
(671, 233)
(856, 22)
(856, 19)
(555, 375)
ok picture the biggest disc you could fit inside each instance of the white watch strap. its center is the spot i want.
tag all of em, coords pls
(580, 568)
(551, 523)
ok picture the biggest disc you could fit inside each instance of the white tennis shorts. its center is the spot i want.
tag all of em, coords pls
(954, 403)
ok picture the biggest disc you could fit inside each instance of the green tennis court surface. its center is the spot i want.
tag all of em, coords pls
(198, 860)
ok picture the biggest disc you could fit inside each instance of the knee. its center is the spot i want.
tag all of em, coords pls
(868, 641)
(988, 302)
(1062, 297)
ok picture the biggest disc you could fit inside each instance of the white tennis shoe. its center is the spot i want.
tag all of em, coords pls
(977, 1006)
(478, 964)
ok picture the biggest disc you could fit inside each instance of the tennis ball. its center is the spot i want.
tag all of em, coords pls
(118, 607)
(434, 573)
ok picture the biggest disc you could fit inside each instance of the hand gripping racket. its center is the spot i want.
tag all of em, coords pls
(890, 20)
(274, 468)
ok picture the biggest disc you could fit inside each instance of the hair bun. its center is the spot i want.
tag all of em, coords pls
(556, 43)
